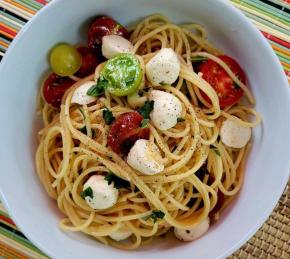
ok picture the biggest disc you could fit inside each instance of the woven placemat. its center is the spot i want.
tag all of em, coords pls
(273, 238)
(272, 17)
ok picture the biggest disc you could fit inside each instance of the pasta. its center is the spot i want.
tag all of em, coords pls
(201, 174)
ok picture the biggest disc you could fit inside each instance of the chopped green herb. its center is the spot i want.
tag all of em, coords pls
(146, 109)
(198, 59)
(144, 123)
(180, 119)
(88, 192)
(156, 214)
(99, 88)
(118, 182)
(215, 149)
(108, 116)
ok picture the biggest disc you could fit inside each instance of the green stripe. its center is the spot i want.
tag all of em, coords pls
(21, 23)
(20, 240)
(33, 4)
(26, 5)
(3, 213)
(265, 22)
(282, 57)
(252, 4)
(11, 25)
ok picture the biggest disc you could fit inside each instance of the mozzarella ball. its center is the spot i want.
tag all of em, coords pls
(188, 235)
(104, 195)
(167, 109)
(113, 45)
(121, 234)
(80, 95)
(142, 157)
(163, 68)
(234, 135)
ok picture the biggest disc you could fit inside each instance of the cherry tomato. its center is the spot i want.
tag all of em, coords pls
(101, 27)
(123, 74)
(125, 131)
(228, 92)
(89, 62)
(55, 87)
(65, 60)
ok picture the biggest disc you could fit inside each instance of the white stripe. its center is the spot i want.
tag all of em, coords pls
(15, 9)
(11, 21)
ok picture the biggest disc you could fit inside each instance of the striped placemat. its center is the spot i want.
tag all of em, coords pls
(272, 17)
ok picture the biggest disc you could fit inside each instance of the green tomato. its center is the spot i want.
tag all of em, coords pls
(65, 60)
(122, 74)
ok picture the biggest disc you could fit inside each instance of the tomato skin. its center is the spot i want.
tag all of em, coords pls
(101, 27)
(219, 79)
(55, 87)
(125, 131)
(89, 62)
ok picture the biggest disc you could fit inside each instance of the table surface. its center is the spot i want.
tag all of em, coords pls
(272, 17)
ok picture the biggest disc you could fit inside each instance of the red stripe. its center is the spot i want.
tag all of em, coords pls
(273, 38)
(5, 29)
(41, 2)
(8, 220)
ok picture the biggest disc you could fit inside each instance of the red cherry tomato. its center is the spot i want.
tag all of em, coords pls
(101, 27)
(125, 131)
(89, 62)
(55, 87)
(219, 79)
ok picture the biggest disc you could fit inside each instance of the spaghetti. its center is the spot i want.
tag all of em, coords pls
(201, 175)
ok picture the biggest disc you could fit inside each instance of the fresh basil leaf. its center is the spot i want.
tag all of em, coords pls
(198, 59)
(180, 119)
(108, 116)
(144, 123)
(155, 215)
(118, 182)
(88, 192)
(99, 88)
(146, 109)
(215, 149)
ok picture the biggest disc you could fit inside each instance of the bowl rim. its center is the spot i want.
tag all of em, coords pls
(275, 198)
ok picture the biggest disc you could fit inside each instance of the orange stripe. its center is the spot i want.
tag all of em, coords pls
(281, 50)
(7, 35)
(10, 252)
(20, 6)
(7, 29)
(4, 44)
(285, 64)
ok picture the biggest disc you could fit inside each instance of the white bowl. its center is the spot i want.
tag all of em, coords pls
(26, 60)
